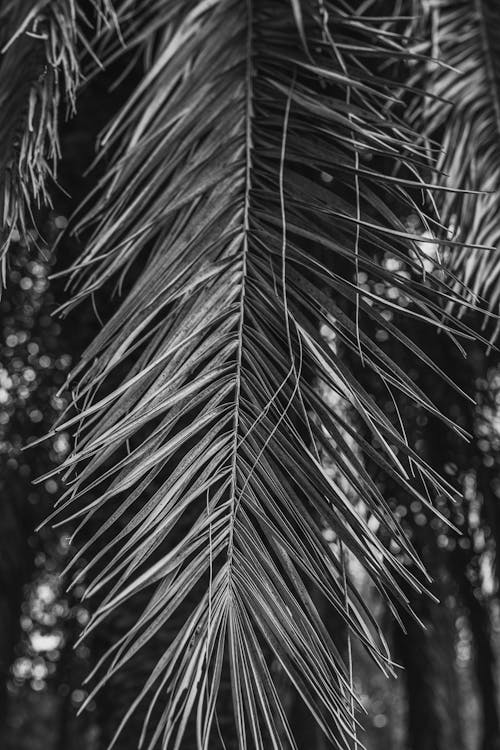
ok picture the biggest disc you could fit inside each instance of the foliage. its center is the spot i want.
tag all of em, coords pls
(41, 68)
(461, 114)
(252, 193)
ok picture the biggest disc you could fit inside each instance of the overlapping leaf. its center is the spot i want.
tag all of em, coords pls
(248, 188)
(462, 117)
(41, 42)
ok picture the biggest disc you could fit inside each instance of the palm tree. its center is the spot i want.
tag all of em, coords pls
(256, 173)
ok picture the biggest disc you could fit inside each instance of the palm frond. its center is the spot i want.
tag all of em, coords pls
(247, 191)
(41, 45)
(462, 117)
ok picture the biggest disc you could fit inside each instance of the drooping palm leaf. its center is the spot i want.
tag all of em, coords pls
(462, 117)
(249, 186)
(39, 73)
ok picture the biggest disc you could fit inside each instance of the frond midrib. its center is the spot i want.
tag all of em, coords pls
(245, 242)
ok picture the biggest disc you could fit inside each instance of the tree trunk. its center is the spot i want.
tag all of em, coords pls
(485, 661)
(428, 658)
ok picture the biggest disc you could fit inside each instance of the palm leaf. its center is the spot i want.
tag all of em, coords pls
(462, 115)
(246, 192)
(39, 68)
